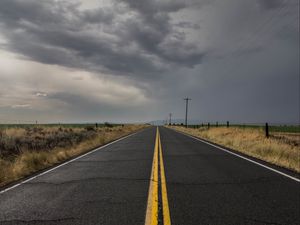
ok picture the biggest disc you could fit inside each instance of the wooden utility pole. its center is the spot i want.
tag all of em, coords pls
(186, 109)
(170, 119)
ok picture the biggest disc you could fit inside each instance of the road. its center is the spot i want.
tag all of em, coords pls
(154, 177)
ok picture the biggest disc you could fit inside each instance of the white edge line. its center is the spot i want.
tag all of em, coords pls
(223, 149)
(65, 163)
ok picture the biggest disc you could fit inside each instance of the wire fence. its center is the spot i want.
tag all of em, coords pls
(267, 127)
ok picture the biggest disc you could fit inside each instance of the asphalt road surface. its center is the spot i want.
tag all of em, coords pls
(154, 177)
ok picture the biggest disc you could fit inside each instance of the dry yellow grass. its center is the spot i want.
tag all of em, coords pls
(30, 161)
(283, 151)
(16, 132)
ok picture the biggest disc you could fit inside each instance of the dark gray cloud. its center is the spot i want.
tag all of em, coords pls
(97, 15)
(137, 60)
(187, 24)
(125, 38)
(157, 35)
(273, 4)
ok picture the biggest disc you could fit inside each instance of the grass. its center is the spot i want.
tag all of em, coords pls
(287, 129)
(272, 128)
(62, 125)
(24, 151)
(281, 148)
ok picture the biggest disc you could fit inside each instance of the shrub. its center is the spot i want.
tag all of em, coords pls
(106, 124)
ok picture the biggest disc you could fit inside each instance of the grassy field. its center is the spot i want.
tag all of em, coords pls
(281, 148)
(62, 125)
(24, 150)
(286, 129)
(272, 128)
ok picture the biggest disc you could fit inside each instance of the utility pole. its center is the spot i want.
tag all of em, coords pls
(186, 109)
(170, 120)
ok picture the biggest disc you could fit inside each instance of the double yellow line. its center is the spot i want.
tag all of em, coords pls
(152, 213)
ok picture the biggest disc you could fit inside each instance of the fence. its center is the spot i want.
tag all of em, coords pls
(267, 127)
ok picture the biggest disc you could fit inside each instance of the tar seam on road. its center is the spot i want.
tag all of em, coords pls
(152, 212)
(65, 163)
(242, 157)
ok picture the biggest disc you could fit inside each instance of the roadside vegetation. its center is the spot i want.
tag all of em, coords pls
(281, 148)
(24, 150)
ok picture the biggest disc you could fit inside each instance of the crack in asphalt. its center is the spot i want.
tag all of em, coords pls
(14, 221)
(204, 155)
(108, 200)
(86, 179)
(253, 181)
(262, 221)
(115, 160)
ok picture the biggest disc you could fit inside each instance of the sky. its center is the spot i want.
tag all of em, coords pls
(135, 61)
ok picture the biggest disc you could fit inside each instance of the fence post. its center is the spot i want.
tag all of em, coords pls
(208, 125)
(217, 124)
(227, 124)
(267, 130)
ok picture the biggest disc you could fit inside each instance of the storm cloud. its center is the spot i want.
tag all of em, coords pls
(123, 38)
(126, 60)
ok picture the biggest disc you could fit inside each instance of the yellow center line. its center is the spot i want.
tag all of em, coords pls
(152, 205)
(166, 211)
